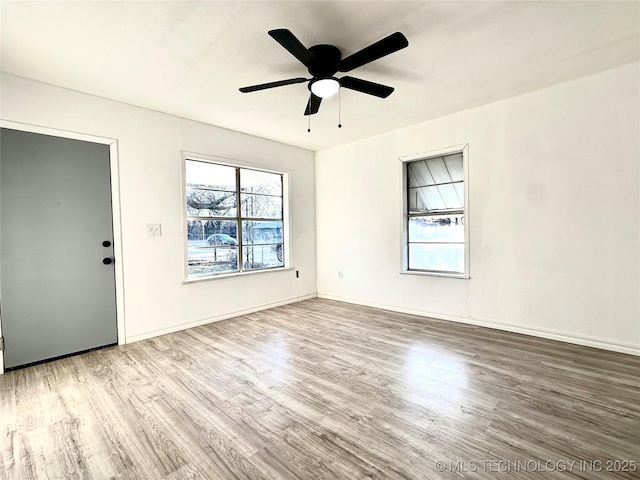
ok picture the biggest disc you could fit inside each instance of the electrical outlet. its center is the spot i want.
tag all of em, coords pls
(154, 230)
(340, 274)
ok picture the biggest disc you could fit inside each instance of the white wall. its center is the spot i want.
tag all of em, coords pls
(149, 143)
(554, 215)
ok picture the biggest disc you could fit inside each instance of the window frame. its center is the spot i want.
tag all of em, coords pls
(286, 221)
(404, 217)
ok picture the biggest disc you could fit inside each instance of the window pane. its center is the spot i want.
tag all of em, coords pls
(425, 199)
(210, 175)
(253, 181)
(419, 174)
(454, 165)
(450, 196)
(212, 260)
(209, 203)
(261, 206)
(211, 247)
(437, 197)
(441, 228)
(262, 256)
(205, 233)
(438, 257)
(438, 170)
(460, 190)
(435, 170)
(261, 232)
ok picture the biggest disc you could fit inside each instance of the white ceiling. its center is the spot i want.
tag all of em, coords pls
(190, 58)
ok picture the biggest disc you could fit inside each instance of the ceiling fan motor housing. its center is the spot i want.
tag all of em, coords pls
(325, 60)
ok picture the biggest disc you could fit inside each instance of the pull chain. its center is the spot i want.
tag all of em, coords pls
(309, 127)
(339, 110)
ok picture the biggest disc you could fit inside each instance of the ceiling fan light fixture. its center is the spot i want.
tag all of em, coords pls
(325, 87)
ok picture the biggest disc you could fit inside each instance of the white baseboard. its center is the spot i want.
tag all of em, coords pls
(532, 331)
(197, 323)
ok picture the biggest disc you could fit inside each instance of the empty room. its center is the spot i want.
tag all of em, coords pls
(329, 240)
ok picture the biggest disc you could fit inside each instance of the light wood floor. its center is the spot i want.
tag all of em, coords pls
(322, 390)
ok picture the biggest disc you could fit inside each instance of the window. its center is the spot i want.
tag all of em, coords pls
(235, 219)
(435, 231)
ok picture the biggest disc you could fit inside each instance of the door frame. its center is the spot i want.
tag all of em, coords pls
(115, 209)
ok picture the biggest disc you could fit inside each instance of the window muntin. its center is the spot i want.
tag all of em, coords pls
(436, 214)
(225, 235)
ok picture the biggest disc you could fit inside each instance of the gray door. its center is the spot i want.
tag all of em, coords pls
(57, 295)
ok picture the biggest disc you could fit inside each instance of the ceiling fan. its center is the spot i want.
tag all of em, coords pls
(324, 61)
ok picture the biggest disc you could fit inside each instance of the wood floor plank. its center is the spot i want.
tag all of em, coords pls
(321, 390)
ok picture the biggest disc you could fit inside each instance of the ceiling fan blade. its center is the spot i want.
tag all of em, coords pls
(313, 105)
(392, 43)
(289, 41)
(365, 86)
(263, 86)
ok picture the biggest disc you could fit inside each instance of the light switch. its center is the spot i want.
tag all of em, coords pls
(153, 230)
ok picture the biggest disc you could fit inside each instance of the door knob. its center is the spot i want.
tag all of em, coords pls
(107, 261)
(106, 243)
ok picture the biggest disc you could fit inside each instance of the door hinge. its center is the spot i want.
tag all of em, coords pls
(1, 344)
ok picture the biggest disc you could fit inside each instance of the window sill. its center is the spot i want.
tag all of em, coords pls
(237, 274)
(435, 274)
